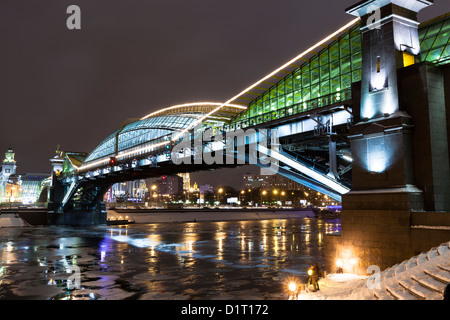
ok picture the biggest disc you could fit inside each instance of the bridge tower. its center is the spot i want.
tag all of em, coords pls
(399, 141)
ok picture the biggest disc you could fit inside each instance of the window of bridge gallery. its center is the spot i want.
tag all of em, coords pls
(289, 84)
(435, 41)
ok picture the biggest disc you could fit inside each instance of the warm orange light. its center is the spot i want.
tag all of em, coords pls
(293, 286)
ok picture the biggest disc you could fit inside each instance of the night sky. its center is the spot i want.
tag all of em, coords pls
(132, 57)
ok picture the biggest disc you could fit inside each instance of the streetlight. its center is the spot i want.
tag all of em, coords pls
(275, 193)
(220, 193)
(263, 194)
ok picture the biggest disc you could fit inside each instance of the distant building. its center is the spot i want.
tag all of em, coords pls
(253, 181)
(186, 180)
(170, 185)
(130, 191)
(19, 188)
(206, 188)
(31, 186)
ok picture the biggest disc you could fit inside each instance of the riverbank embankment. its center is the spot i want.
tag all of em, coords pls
(144, 216)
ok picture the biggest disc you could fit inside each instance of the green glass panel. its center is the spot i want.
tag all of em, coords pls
(266, 107)
(422, 33)
(324, 101)
(446, 53)
(423, 55)
(259, 103)
(289, 85)
(356, 45)
(334, 68)
(281, 102)
(335, 84)
(315, 76)
(434, 29)
(357, 61)
(290, 111)
(273, 93)
(334, 52)
(435, 54)
(289, 99)
(297, 81)
(345, 46)
(273, 105)
(324, 88)
(427, 43)
(305, 68)
(253, 109)
(355, 32)
(259, 120)
(346, 81)
(315, 63)
(324, 72)
(282, 113)
(280, 88)
(356, 76)
(266, 98)
(275, 115)
(295, 108)
(297, 96)
(324, 57)
(446, 26)
(442, 39)
(267, 117)
(306, 80)
(346, 65)
(306, 94)
(315, 91)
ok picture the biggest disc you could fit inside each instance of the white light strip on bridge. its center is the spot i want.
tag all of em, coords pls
(192, 105)
(228, 103)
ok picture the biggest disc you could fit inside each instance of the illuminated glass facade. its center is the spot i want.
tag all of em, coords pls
(326, 78)
(435, 41)
(152, 130)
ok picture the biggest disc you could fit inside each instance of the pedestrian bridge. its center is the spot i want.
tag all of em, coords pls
(295, 120)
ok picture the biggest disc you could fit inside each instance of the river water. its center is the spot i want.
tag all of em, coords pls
(238, 260)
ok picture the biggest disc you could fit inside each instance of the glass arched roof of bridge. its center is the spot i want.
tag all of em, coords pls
(157, 128)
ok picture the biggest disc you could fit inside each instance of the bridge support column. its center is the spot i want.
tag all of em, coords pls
(56, 192)
(394, 142)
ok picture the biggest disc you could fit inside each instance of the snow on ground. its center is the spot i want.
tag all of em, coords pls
(336, 287)
(8, 220)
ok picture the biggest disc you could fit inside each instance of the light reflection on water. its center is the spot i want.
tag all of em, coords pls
(203, 260)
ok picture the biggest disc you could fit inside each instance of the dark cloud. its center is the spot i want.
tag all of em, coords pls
(74, 87)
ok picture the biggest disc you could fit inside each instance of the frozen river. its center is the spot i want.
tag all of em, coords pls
(240, 260)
